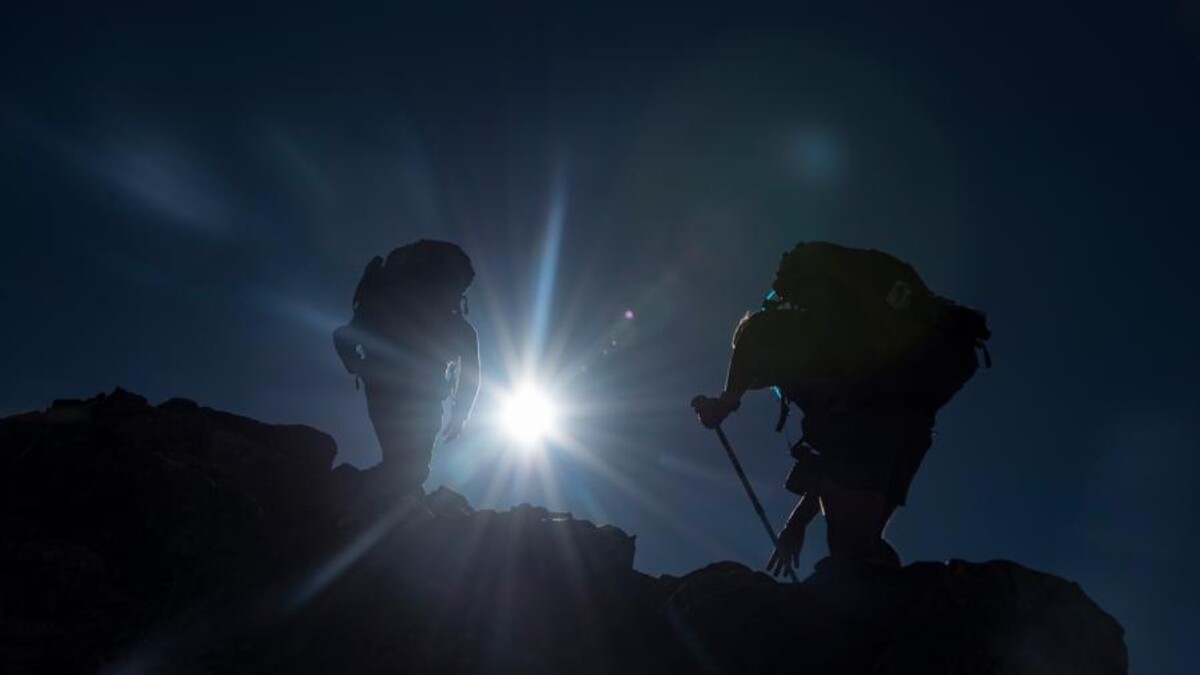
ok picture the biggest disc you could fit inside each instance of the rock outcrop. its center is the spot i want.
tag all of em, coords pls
(175, 538)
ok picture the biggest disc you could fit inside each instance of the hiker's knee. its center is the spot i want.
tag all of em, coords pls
(853, 517)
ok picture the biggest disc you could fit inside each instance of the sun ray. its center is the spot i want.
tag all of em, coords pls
(642, 497)
(547, 274)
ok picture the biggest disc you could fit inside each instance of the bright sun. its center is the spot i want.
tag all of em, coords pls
(529, 416)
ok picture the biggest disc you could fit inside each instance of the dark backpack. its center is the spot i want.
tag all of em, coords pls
(436, 269)
(887, 297)
(426, 276)
(907, 335)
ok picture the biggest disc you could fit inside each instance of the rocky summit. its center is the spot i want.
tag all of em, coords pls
(178, 539)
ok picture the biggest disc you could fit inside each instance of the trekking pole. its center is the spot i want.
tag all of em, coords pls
(758, 508)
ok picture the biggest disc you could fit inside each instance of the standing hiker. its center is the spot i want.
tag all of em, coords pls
(413, 347)
(857, 341)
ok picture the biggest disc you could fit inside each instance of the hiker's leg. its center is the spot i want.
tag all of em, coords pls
(885, 553)
(422, 422)
(406, 425)
(381, 408)
(914, 437)
(418, 423)
(886, 518)
(853, 518)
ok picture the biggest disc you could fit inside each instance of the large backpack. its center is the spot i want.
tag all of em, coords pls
(881, 317)
(435, 268)
(427, 276)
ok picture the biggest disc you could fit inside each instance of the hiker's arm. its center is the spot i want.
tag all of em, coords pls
(713, 411)
(791, 540)
(758, 343)
(748, 369)
(806, 509)
(738, 380)
(467, 387)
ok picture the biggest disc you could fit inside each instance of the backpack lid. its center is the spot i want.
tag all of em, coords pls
(874, 276)
(423, 265)
(431, 261)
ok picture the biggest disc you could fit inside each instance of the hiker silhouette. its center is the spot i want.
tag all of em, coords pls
(412, 346)
(869, 354)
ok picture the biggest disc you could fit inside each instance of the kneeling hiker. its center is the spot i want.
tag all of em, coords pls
(413, 347)
(857, 341)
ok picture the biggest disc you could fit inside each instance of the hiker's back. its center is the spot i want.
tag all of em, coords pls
(408, 313)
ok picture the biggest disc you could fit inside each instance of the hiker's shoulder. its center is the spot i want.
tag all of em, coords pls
(774, 322)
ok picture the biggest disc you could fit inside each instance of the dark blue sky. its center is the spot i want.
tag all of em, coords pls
(189, 197)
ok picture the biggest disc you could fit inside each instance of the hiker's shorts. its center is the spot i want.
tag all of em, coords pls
(876, 447)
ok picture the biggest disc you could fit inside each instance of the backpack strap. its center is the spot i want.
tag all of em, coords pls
(785, 409)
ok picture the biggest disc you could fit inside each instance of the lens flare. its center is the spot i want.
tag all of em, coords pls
(529, 416)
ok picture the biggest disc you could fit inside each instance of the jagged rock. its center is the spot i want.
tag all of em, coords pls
(176, 538)
(958, 617)
(172, 503)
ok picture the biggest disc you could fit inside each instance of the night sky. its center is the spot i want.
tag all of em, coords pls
(190, 196)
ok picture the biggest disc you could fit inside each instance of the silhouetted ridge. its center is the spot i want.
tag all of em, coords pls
(176, 538)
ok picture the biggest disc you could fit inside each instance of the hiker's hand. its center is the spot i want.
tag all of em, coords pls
(712, 411)
(453, 428)
(787, 554)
